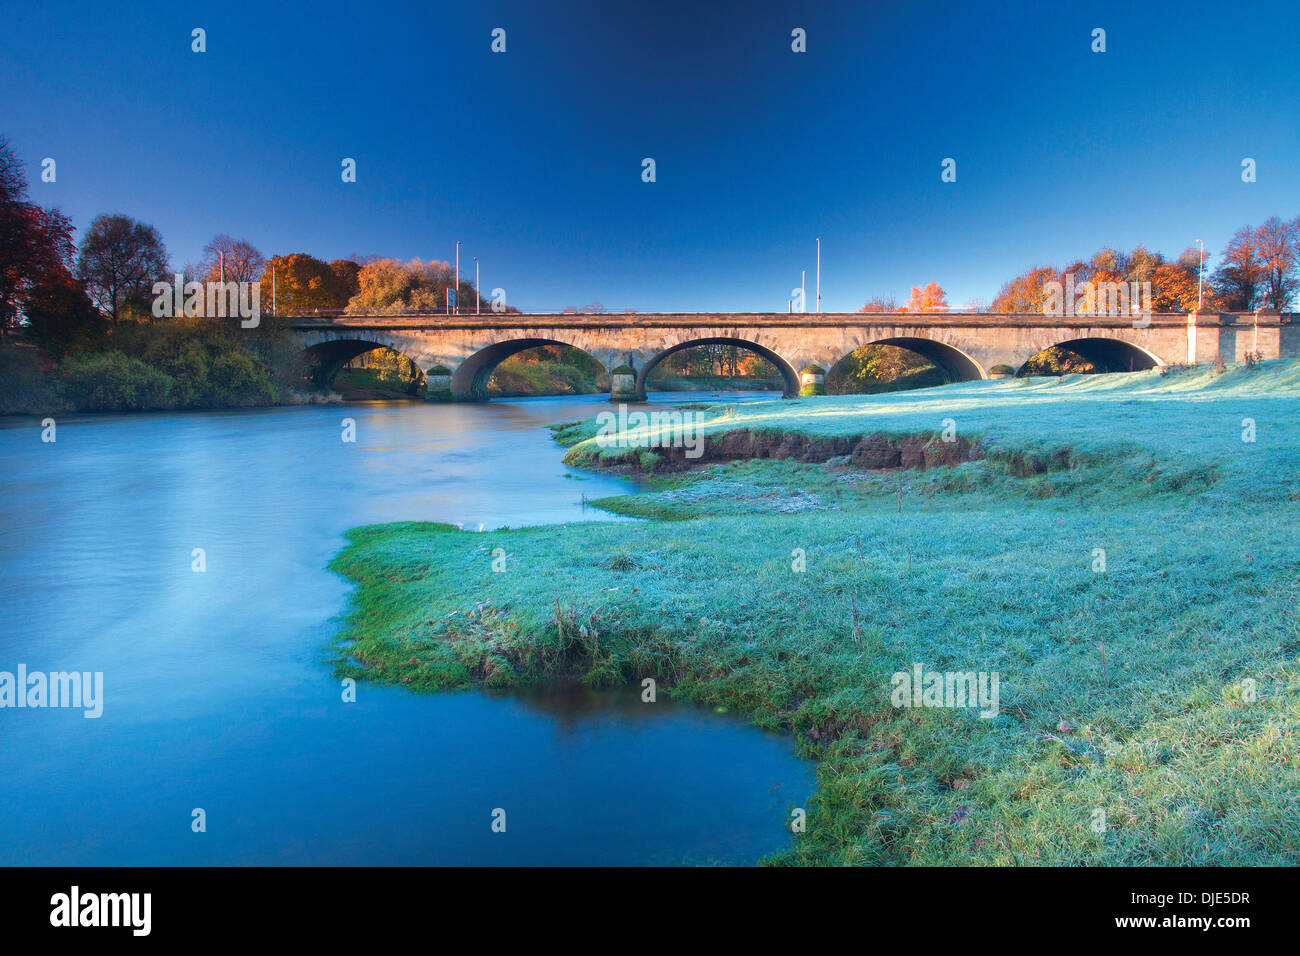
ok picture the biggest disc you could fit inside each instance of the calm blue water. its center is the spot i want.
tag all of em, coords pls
(216, 691)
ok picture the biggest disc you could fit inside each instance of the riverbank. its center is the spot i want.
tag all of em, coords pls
(1136, 599)
(149, 367)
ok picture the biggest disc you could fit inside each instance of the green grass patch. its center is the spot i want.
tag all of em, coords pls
(1160, 696)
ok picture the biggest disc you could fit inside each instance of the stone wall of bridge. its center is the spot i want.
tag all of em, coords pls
(967, 345)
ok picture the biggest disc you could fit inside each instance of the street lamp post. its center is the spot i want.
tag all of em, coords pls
(1200, 272)
(477, 297)
(819, 274)
(458, 277)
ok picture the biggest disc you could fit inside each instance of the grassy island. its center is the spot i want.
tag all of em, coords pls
(1122, 551)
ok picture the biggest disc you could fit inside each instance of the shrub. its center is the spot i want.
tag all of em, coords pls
(204, 361)
(235, 378)
(546, 377)
(112, 381)
(1058, 361)
(26, 387)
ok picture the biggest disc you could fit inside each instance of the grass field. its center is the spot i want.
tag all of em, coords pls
(1117, 552)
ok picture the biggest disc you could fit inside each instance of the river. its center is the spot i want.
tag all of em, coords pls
(217, 697)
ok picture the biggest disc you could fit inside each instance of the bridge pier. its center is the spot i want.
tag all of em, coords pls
(812, 380)
(622, 385)
(438, 383)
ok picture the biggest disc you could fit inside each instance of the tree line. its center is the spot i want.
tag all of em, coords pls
(1259, 268)
(66, 295)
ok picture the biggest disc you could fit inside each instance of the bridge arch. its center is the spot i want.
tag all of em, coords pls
(470, 380)
(788, 373)
(1106, 354)
(322, 361)
(955, 364)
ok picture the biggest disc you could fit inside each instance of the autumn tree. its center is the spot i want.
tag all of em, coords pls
(929, 299)
(119, 260)
(302, 283)
(716, 360)
(1240, 275)
(880, 304)
(36, 247)
(234, 260)
(1193, 259)
(391, 286)
(1143, 264)
(1110, 263)
(17, 238)
(345, 276)
(882, 368)
(1057, 361)
(1026, 292)
(1173, 289)
(1108, 269)
(1276, 242)
(60, 316)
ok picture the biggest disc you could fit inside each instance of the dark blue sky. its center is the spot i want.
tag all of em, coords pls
(533, 157)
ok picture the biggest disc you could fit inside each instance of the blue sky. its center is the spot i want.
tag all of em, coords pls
(533, 157)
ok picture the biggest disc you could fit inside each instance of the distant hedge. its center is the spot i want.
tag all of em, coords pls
(114, 382)
(146, 367)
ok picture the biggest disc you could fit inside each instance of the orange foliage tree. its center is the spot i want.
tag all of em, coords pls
(1173, 289)
(1025, 293)
(929, 299)
(303, 283)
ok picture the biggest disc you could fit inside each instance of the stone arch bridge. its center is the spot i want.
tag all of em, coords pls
(459, 352)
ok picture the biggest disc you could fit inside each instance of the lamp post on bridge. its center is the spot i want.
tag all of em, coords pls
(1200, 272)
(458, 277)
(477, 297)
(819, 274)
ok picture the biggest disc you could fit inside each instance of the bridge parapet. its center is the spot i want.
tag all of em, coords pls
(812, 320)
